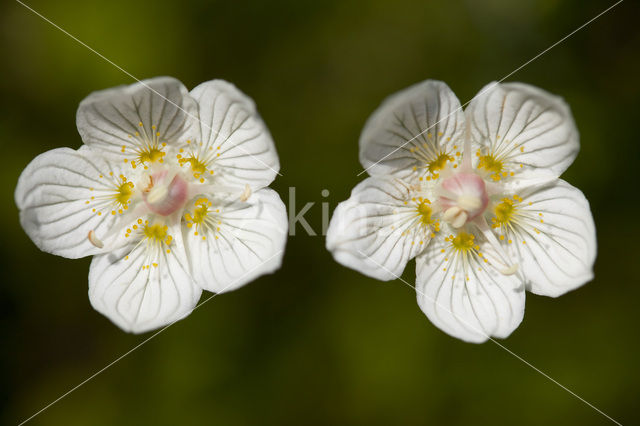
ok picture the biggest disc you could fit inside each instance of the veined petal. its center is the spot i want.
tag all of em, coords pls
(462, 290)
(414, 133)
(231, 242)
(551, 231)
(63, 194)
(521, 129)
(232, 142)
(137, 122)
(144, 288)
(380, 228)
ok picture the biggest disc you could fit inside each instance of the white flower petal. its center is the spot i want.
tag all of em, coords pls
(378, 229)
(471, 304)
(140, 299)
(559, 238)
(63, 194)
(240, 241)
(410, 129)
(236, 143)
(530, 131)
(126, 120)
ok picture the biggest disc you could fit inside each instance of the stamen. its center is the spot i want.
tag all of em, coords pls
(510, 270)
(455, 216)
(246, 194)
(95, 240)
(146, 182)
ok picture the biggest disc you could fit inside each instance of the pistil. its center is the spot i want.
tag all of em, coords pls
(165, 193)
(463, 197)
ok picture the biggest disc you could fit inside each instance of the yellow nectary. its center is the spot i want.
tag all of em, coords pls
(150, 155)
(425, 212)
(503, 212)
(156, 232)
(439, 163)
(166, 194)
(124, 193)
(463, 241)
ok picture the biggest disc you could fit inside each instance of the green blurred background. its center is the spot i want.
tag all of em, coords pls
(317, 343)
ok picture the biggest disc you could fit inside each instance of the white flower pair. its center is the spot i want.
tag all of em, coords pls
(169, 194)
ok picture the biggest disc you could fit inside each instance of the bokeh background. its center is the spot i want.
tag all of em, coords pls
(317, 343)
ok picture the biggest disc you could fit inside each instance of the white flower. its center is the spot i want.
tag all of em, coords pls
(475, 199)
(167, 192)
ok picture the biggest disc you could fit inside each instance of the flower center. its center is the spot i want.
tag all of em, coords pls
(463, 197)
(493, 165)
(151, 155)
(197, 166)
(165, 193)
(489, 163)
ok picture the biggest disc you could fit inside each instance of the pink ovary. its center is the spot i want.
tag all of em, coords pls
(466, 191)
(167, 198)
